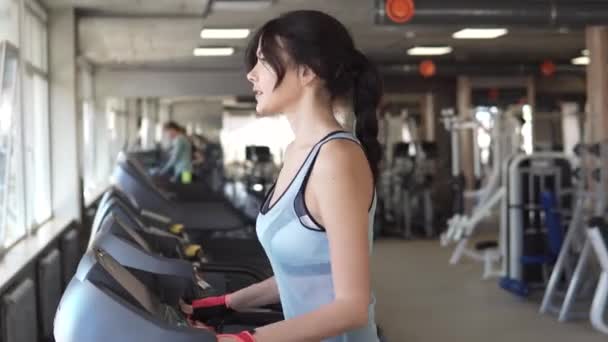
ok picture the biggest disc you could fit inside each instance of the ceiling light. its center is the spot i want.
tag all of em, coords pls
(470, 33)
(429, 50)
(582, 60)
(224, 33)
(241, 5)
(585, 52)
(213, 51)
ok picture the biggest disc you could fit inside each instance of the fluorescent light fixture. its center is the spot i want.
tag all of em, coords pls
(213, 51)
(241, 5)
(470, 33)
(224, 33)
(585, 52)
(582, 60)
(429, 50)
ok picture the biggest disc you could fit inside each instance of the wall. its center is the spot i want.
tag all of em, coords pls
(150, 83)
(65, 123)
(204, 117)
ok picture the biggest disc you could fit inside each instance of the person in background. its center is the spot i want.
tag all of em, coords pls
(179, 165)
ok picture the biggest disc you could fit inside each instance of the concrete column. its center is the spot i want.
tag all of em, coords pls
(103, 142)
(149, 118)
(464, 103)
(164, 115)
(531, 93)
(164, 112)
(66, 124)
(571, 132)
(133, 114)
(541, 129)
(429, 117)
(597, 88)
(597, 83)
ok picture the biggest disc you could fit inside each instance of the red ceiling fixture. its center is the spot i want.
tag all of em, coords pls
(548, 68)
(399, 11)
(427, 68)
(493, 94)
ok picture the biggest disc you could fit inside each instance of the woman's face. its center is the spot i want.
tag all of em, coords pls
(269, 100)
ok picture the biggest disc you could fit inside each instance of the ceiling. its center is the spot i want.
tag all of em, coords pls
(163, 33)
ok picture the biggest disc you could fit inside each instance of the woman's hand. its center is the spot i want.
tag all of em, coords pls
(207, 308)
(226, 338)
(244, 336)
(186, 308)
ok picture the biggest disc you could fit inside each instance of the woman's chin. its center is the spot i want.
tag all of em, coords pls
(261, 111)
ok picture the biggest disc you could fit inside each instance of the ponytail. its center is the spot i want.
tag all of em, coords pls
(367, 93)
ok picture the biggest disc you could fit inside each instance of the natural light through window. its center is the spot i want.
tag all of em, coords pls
(240, 131)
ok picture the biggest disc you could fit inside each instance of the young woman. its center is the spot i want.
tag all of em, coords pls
(316, 222)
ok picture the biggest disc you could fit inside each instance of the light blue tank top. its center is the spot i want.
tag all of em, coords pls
(298, 250)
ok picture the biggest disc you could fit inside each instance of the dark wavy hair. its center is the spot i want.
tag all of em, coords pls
(320, 42)
(174, 126)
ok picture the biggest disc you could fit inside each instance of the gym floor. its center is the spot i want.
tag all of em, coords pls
(422, 298)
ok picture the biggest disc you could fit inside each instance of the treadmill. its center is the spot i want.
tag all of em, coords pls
(105, 302)
(201, 219)
(173, 280)
(130, 247)
(216, 254)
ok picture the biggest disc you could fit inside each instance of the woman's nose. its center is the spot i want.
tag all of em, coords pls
(251, 76)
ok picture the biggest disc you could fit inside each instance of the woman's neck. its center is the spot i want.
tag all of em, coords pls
(312, 120)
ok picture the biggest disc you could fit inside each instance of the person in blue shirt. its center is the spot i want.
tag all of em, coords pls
(178, 166)
(316, 221)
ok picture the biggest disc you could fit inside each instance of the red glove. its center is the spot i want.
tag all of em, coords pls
(209, 308)
(244, 336)
(211, 302)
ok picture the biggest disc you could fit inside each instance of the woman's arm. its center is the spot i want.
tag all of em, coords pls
(175, 151)
(256, 295)
(341, 186)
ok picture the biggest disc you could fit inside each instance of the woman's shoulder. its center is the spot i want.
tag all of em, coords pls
(336, 155)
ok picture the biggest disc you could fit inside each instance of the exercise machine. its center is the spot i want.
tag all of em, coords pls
(574, 278)
(538, 208)
(120, 306)
(598, 238)
(490, 197)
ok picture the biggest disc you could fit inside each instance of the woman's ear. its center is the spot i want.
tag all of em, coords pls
(306, 75)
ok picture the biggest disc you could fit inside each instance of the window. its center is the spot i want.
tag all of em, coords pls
(9, 27)
(239, 131)
(37, 148)
(35, 40)
(11, 202)
(117, 134)
(36, 120)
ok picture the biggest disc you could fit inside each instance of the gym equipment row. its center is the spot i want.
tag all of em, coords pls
(142, 263)
(550, 223)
